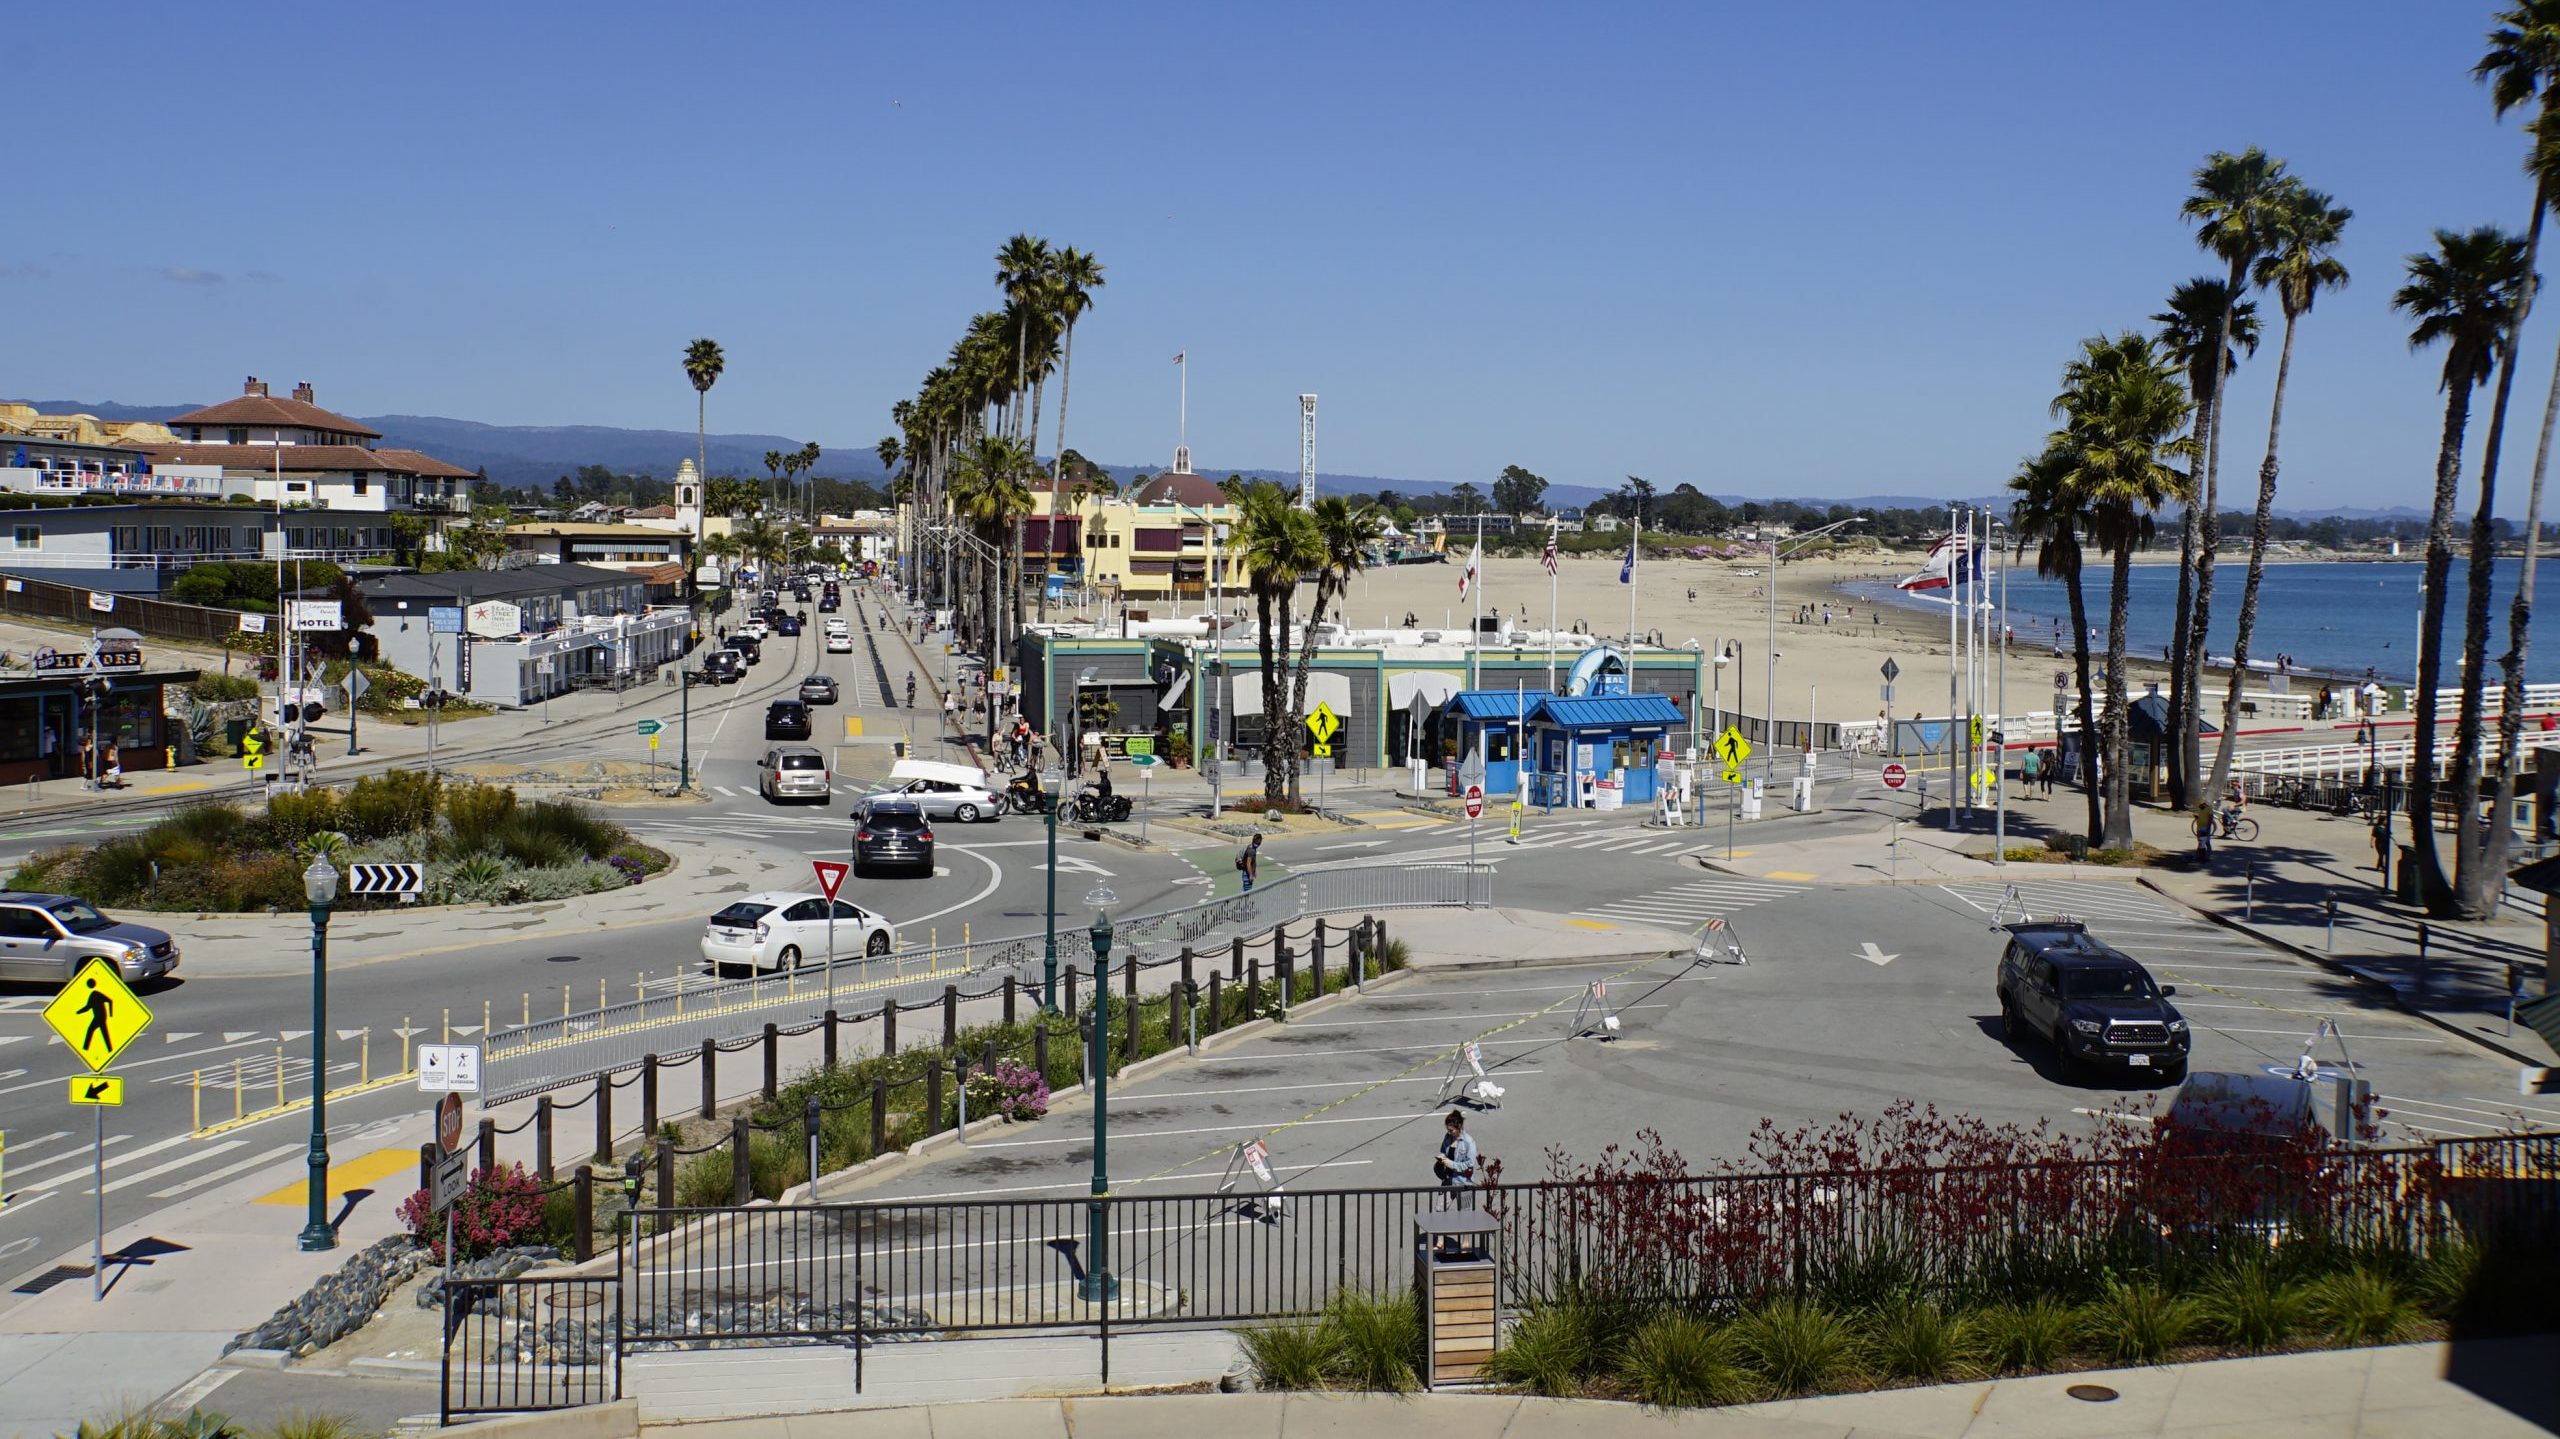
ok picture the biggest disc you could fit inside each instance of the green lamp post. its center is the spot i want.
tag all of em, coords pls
(320, 887)
(1099, 1285)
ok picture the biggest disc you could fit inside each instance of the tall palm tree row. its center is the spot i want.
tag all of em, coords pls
(2199, 311)
(2298, 264)
(2124, 419)
(2047, 514)
(2463, 295)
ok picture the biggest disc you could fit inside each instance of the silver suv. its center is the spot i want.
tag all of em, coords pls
(793, 771)
(48, 937)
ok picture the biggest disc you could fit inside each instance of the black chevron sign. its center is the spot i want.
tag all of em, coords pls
(386, 878)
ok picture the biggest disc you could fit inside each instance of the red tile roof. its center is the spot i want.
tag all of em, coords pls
(1176, 488)
(306, 459)
(426, 465)
(267, 410)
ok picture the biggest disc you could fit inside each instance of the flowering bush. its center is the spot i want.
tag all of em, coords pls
(1016, 1091)
(500, 1209)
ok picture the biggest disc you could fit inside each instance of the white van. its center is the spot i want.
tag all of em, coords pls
(943, 791)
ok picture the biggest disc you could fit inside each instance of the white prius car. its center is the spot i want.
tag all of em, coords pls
(785, 929)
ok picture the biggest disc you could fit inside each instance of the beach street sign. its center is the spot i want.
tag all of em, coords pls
(1891, 671)
(1895, 776)
(649, 727)
(97, 1015)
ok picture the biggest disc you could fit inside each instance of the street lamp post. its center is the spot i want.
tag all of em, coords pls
(1049, 931)
(1776, 557)
(320, 887)
(1099, 1285)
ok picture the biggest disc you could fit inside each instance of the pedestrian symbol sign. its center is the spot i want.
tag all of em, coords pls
(1973, 730)
(97, 1015)
(1323, 723)
(1731, 747)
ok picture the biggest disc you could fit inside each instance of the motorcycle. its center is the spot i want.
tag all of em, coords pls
(1020, 798)
(1095, 807)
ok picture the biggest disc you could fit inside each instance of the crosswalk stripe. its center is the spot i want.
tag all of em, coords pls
(72, 1158)
(181, 1162)
(225, 1172)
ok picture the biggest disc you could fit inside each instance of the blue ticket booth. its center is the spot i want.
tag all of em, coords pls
(1590, 748)
(1487, 724)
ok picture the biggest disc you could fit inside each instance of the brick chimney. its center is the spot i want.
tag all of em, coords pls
(254, 386)
(302, 392)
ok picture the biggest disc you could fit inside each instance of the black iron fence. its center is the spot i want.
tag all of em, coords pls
(528, 1343)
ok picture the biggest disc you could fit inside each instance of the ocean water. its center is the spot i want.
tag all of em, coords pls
(2331, 619)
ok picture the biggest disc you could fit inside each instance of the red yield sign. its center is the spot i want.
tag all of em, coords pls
(830, 875)
(1895, 776)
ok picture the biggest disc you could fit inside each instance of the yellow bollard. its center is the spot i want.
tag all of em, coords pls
(195, 1082)
(238, 1088)
(315, 1079)
(364, 1056)
(448, 1024)
(604, 999)
(404, 1044)
(528, 1009)
(564, 1002)
(487, 1029)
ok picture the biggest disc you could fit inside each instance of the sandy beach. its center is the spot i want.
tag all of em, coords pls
(1833, 671)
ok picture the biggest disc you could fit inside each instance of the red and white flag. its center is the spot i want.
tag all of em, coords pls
(1549, 558)
(1950, 563)
(1467, 577)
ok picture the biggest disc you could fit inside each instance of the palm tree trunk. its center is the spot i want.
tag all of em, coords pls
(1275, 777)
(2433, 891)
(2519, 620)
(1298, 688)
(2088, 720)
(2473, 890)
(2258, 524)
(2119, 826)
(1066, 374)
(2181, 703)
(2209, 532)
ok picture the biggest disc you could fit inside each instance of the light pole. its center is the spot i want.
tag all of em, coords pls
(1049, 931)
(320, 887)
(1099, 1285)
(1722, 659)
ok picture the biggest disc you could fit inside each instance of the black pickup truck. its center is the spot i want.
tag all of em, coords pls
(2096, 1005)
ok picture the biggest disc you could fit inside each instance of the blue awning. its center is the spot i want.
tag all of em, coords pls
(1607, 711)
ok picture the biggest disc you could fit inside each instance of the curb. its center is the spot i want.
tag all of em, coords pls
(2362, 981)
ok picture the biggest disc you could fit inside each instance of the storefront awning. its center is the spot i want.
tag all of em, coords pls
(1430, 686)
(1324, 688)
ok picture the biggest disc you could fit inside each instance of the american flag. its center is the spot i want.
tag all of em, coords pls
(1468, 577)
(1177, 359)
(1549, 558)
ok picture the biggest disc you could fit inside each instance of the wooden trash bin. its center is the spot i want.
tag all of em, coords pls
(1454, 1280)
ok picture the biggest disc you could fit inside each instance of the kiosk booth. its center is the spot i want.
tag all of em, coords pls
(1486, 726)
(1599, 751)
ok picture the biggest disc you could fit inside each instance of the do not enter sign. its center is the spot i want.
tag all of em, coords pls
(1475, 800)
(1895, 776)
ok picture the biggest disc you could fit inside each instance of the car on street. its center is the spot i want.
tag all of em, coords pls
(839, 644)
(786, 719)
(943, 791)
(755, 628)
(818, 690)
(747, 648)
(722, 666)
(47, 937)
(830, 604)
(786, 625)
(892, 834)
(784, 929)
(793, 771)
(2096, 1005)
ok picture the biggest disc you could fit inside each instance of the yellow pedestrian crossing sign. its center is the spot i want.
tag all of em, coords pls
(1733, 774)
(97, 1014)
(102, 1089)
(1973, 730)
(1322, 725)
(1732, 748)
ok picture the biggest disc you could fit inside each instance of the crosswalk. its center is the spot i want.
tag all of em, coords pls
(1586, 833)
(1689, 904)
(68, 1160)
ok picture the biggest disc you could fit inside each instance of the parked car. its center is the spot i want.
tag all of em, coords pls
(893, 834)
(2096, 1005)
(943, 791)
(786, 625)
(818, 690)
(721, 667)
(784, 929)
(793, 771)
(47, 937)
(786, 719)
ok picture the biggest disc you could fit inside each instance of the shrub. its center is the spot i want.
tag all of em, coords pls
(117, 870)
(142, 1423)
(2360, 1307)
(703, 1181)
(2140, 1322)
(574, 825)
(500, 1209)
(1373, 1341)
(218, 689)
(2248, 1308)
(2026, 1338)
(210, 822)
(529, 846)
(1011, 1089)
(1677, 1361)
(293, 818)
(1547, 1351)
(1917, 1340)
(305, 1424)
(1286, 1356)
(473, 812)
(1797, 1345)
(393, 802)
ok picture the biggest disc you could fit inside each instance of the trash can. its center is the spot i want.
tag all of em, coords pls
(234, 731)
(1456, 1282)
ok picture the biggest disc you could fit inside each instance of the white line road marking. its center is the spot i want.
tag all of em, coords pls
(226, 1171)
(1440, 1018)
(1079, 1184)
(192, 1393)
(2360, 1038)
(75, 1158)
(181, 1162)
(23, 1145)
(1127, 1135)
(1298, 1088)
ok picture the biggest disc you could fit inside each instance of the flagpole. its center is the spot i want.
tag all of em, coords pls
(1551, 605)
(1475, 628)
(1955, 789)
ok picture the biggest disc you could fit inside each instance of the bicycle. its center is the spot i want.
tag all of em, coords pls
(2235, 827)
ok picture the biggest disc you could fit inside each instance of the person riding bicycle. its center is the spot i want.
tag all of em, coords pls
(2233, 801)
(911, 689)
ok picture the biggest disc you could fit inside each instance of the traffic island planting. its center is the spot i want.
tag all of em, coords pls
(478, 843)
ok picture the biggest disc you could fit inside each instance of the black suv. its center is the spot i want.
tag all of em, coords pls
(786, 719)
(2096, 1005)
(893, 832)
(721, 667)
(745, 646)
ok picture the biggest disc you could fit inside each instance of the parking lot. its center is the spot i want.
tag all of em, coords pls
(1852, 998)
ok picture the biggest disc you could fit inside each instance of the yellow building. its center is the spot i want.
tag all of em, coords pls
(82, 429)
(1154, 543)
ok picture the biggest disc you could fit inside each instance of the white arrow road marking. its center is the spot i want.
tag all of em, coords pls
(1354, 844)
(405, 1031)
(466, 1029)
(234, 1036)
(290, 1035)
(14, 1038)
(1875, 956)
(1076, 864)
(172, 1037)
(181, 1162)
(349, 1033)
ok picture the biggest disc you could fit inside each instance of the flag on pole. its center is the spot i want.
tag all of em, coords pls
(1549, 558)
(1627, 571)
(1467, 578)
(1950, 562)
(1177, 358)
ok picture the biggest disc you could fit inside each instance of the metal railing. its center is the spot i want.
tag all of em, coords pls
(579, 1045)
(528, 1343)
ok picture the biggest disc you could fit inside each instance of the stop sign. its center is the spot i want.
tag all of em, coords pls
(1475, 800)
(1895, 776)
(449, 1123)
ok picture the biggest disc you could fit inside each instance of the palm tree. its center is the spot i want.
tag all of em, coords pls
(2124, 414)
(1077, 275)
(2523, 61)
(990, 494)
(2187, 329)
(2235, 198)
(2298, 265)
(2463, 294)
(703, 363)
(774, 463)
(1022, 268)
(1280, 544)
(2047, 512)
(1345, 533)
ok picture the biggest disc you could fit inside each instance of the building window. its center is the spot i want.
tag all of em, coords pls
(27, 537)
(361, 479)
(235, 437)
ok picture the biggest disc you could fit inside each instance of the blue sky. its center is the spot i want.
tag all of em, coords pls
(1773, 249)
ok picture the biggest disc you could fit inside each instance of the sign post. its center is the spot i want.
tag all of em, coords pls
(99, 1017)
(831, 874)
(1146, 766)
(1475, 811)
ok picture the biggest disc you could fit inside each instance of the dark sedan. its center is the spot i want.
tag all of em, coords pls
(893, 833)
(787, 625)
(818, 690)
(786, 719)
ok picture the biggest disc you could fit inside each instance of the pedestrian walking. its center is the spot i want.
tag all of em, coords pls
(2382, 845)
(2027, 770)
(2204, 832)
(1249, 862)
(1455, 1164)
